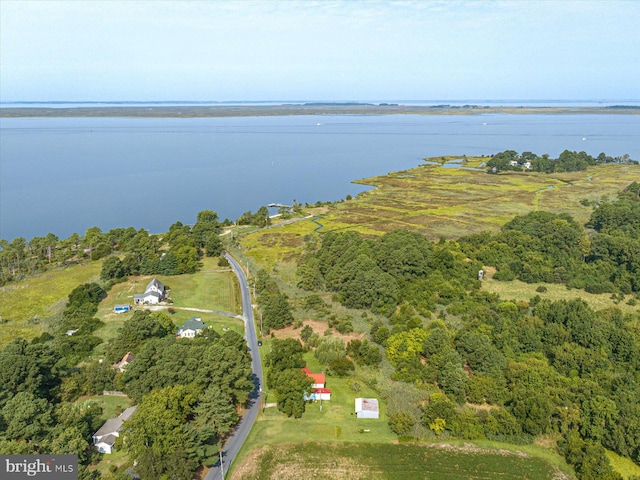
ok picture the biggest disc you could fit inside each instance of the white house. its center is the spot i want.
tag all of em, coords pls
(367, 408)
(147, 297)
(155, 285)
(154, 293)
(105, 438)
(191, 327)
(319, 394)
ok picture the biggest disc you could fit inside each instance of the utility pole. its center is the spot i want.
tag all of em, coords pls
(221, 465)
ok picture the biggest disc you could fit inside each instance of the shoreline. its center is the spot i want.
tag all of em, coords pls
(297, 110)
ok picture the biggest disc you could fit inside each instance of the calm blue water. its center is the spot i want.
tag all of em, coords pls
(63, 175)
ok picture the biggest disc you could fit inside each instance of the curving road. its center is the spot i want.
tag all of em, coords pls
(235, 441)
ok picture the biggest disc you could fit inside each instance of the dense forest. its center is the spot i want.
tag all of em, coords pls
(542, 367)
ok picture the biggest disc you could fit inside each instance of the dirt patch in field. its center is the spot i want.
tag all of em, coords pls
(471, 448)
(318, 327)
(283, 463)
(481, 406)
(248, 468)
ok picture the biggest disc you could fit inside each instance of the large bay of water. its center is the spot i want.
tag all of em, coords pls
(63, 175)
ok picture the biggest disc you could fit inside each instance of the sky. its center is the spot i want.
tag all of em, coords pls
(318, 50)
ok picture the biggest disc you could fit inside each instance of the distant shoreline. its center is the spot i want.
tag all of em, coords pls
(190, 111)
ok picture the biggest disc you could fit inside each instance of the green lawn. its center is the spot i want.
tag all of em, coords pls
(109, 404)
(25, 305)
(212, 288)
(336, 422)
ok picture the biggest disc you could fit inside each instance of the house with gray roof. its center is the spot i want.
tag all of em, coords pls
(105, 438)
(191, 327)
(154, 293)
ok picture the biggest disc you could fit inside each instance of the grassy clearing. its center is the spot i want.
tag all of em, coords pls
(336, 422)
(118, 458)
(353, 461)
(622, 465)
(23, 305)
(109, 404)
(521, 291)
(210, 289)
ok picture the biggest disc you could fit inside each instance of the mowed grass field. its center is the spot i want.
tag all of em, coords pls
(213, 288)
(25, 305)
(364, 461)
(336, 421)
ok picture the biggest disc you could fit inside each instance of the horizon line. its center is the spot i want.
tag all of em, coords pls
(511, 100)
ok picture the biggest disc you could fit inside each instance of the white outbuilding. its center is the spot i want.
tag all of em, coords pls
(367, 408)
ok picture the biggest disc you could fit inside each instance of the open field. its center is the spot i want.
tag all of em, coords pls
(521, 291)
(109, 404)
(353, 461)
(212, 289)
(24, 304)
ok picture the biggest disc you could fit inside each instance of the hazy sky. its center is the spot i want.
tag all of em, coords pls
(324, 50)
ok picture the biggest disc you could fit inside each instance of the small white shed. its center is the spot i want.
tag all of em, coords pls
(367, 408)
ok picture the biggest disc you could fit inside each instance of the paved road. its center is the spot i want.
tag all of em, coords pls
(233, 445)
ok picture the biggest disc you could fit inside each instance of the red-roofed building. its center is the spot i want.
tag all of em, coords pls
(318, 378)
(319, 394)
(319, 391)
